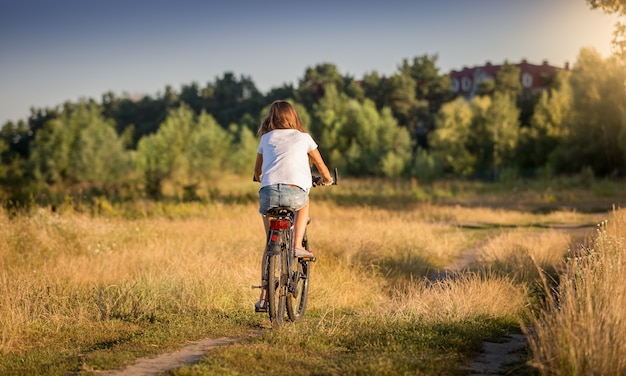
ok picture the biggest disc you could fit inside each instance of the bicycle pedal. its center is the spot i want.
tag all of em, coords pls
(260, 306)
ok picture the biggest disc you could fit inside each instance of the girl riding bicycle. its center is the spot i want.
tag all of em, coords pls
(283, 166)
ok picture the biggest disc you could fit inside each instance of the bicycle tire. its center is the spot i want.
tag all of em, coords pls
(298, 290)
(299, 284)
(275, 294)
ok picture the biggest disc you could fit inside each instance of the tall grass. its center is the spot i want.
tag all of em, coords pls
(70, 278)
(514, 253)
(582, 330)
(462, 298)
(84, 290)
(76, 268)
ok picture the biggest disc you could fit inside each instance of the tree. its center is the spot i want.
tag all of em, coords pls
(207, 150)
(160, 156)
(404, 104)
(508, 80)
(311, 88)
(17, 138)
(478, 136)
(12, 171)
(282, 92)
(186, 151)
(80, 146)
(98, 156)
(192, 96)
(3, 167)
(243, 154)
(502, 121)
(327, 126)
(414, 94)
(548, 125)
(619, 35)
(141, 115)
(612, 6)
(49, 159)
(431, 91)
(432, 88)
(481, 141)
(230, 98)
(597, 127)
(359, 139)
(377, 89)
(450, 141)
(355, 90)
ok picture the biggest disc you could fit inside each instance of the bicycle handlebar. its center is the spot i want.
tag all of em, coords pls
(316, 180)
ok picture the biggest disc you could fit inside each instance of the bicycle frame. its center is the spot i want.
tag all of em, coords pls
(285, 277)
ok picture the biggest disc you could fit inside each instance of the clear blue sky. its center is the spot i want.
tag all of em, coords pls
(58, 50)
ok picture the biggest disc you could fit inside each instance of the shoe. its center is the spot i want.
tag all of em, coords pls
(260, 306)
(302, 253)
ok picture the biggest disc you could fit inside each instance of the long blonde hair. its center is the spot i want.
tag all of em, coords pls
(281, 115)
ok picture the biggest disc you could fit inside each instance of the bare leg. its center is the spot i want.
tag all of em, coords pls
(263, 293)
(302, 218)
(266, 225)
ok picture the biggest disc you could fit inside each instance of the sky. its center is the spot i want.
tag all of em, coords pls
(67, 50)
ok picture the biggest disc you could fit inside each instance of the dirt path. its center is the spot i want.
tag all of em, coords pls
(497, 358)
(190, 354)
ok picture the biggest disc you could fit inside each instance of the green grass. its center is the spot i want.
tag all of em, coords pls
(82, 348)
(355, 344)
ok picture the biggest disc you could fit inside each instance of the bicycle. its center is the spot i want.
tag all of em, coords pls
(285, 276)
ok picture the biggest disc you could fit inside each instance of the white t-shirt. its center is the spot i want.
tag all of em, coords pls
(286, 158)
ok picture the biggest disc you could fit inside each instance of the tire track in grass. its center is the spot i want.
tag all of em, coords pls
(497, 357)
(509, 354)
(187, 355)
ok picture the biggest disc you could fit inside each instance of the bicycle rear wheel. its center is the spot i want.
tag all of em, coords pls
(298, 289)
(275, 294)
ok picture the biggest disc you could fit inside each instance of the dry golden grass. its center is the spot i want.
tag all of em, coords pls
(462, 297)
(582, 330)
(73, 268)
(391, 243)
(484, 215)
(68, 276)
(522, 253)
(59, 269)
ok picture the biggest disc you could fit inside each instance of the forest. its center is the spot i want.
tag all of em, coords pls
(409, 125)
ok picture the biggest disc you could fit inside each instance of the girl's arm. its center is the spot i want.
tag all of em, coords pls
(257, 167)
(316, 157)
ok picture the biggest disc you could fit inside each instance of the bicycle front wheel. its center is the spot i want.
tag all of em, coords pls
(298, 289)
(275, 290)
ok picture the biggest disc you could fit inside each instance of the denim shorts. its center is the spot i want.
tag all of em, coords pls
(275, 195)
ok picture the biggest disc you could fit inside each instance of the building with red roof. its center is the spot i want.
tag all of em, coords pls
(532, 77)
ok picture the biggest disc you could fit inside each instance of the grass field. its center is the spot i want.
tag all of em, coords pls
(88, 288)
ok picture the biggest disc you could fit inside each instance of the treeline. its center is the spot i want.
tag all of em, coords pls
(409, 124)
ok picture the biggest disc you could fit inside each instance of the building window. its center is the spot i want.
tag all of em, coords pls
(480, 76)
(466, 83)
(455, 85)
(527, 80)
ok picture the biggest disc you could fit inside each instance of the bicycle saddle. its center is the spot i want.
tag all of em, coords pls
(280, 211)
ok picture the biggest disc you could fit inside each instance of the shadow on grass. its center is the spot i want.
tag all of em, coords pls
(398, 267)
